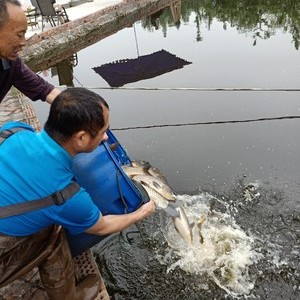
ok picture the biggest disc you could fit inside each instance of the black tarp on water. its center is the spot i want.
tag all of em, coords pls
(125, 71)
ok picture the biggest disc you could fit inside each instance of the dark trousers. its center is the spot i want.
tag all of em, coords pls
(47, 249)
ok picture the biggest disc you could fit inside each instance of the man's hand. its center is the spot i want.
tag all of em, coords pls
(147, 209)
(52, 95)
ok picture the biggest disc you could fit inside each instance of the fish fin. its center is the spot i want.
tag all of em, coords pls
(143, 182)
(140, 163)
(147, 165)
(146, 169)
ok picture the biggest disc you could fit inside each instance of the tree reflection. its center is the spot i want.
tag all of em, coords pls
(257, 18)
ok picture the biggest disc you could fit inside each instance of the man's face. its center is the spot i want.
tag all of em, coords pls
(12, 33)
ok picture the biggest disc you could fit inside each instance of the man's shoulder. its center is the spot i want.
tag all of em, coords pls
(16, 67)
(16, 124)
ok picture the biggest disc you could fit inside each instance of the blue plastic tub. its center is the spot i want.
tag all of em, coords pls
(101, 174)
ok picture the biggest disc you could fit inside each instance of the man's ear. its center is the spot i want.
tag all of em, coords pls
(81, 139)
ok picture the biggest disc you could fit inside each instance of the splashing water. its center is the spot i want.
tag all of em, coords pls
(248, 238)
(220, 249)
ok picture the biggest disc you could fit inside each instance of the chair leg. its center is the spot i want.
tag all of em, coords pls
(65, 15)
(52, 22)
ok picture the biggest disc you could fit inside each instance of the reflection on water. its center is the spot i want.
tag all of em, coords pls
(257, 19)
(64, 70)
(241, 44)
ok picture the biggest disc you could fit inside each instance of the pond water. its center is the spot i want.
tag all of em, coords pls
(251, 49)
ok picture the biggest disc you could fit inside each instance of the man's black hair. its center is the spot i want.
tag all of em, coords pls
(73, 110)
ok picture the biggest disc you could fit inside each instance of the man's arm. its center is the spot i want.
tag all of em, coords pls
(51, 96)
(30, 83)
(116, 223)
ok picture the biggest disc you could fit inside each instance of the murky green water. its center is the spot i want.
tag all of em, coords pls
(230, 44)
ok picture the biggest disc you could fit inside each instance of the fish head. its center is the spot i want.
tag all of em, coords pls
(163, 189)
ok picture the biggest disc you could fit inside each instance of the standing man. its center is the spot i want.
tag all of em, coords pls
(36, 165)
(13, 72)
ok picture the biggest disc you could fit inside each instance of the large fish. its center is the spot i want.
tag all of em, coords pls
(143, 167)
(157, 185)
(160, 201)
(182, 225)
(131, 171)
(154, 184)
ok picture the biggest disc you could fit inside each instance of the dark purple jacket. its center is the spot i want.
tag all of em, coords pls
(16, 73)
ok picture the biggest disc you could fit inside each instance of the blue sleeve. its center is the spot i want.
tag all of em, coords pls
(79, 213)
